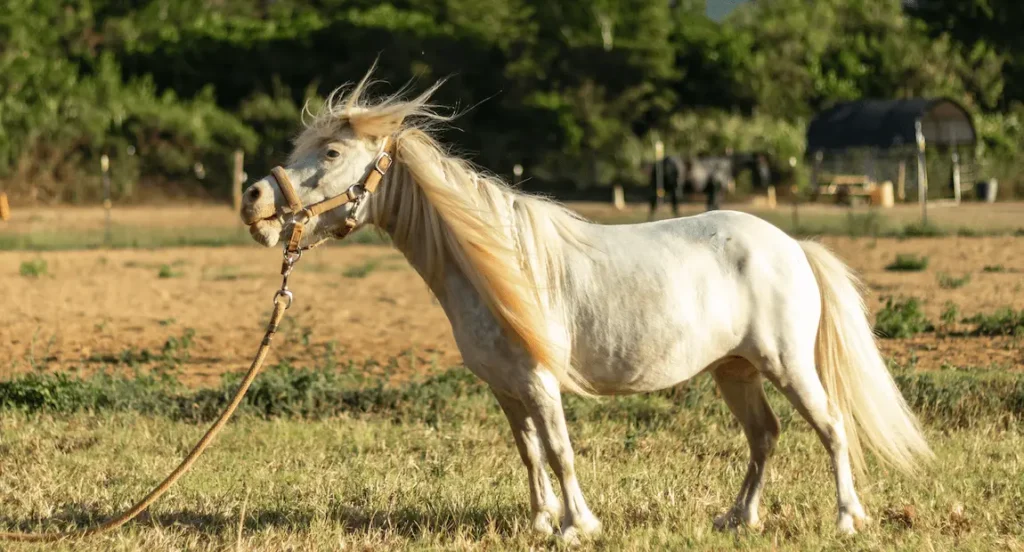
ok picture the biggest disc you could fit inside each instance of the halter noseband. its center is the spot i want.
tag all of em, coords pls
(354, 194)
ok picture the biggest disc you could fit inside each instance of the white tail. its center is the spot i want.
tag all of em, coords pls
(853, 373)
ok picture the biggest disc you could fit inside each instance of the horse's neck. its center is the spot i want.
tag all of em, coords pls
(539, 236)
(415, 250)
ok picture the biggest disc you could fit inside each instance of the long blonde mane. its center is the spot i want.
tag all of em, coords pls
(442, 211)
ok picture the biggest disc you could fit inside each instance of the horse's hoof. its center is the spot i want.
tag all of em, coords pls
(852, 521)
(573, 532)
(733, 520)
(542, 523)
(725, 521)
(845, 525)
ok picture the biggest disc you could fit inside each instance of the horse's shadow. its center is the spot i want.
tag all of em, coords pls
(408, 521)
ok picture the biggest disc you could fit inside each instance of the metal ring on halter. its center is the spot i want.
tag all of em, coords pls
(287, 295)
(292, 257)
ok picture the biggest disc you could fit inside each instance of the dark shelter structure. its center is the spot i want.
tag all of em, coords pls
(880, 140)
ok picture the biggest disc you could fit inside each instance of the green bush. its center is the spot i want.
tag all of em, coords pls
(33, 269)
(908, 263)
(922, 230)
(1005, 321)
(901, 319)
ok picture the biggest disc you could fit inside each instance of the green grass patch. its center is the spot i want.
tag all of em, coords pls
(325, 458)
(284, 391)
(361, 271)
(925, 230)
(901, 319)
(368, 483)
(1005, 321)
(950, 314)
(34, 268)
(166, 271)
(132, 237)
(908, 262)
(994, 268)
(947, 281)
(126, 237)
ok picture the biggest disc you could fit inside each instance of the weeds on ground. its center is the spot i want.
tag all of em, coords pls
(34, 268)
(947, 281)
(864, 224)
(1005, 321)
(167, 272)
(950, 315)
(953, 398)
(922, 230)
(901, 319)
(361, 271)
(908, 263)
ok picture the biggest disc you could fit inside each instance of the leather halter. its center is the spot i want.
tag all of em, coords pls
(355, 193)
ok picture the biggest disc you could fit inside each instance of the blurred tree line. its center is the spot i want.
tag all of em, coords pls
(574, 90)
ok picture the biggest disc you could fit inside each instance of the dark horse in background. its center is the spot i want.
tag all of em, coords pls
(705, 174)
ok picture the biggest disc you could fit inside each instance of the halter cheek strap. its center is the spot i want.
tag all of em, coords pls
(355, 193)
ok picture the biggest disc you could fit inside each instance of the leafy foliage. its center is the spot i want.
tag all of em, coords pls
(574, 91)
(901, 319)
(1005, 321)
(908, 262)
(34, 268)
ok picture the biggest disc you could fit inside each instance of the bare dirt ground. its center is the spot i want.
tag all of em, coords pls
(103, 308)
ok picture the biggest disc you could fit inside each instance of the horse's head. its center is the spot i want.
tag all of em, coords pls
(330, 160)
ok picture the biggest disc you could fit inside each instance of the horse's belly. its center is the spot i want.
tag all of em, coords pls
(655, 360)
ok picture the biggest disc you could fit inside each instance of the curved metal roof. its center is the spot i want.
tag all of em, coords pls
(890, 123)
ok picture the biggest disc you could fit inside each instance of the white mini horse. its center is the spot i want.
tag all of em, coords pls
(542, 302)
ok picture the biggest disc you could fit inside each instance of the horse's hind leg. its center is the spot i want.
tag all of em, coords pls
(543, 400)
(743, 391)
(794, 373)
(543, 503)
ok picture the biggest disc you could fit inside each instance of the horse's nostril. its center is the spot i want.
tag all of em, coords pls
(254, 193)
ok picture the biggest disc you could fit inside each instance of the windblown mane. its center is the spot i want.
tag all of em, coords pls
(443, 210)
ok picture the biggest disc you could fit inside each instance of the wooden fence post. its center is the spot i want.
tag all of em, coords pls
(901, 181)
(5, 208)
(922, 174)
(618, 197)
(107, 203)
(237, 179)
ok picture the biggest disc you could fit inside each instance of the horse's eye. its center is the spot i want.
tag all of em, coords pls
(333, 154)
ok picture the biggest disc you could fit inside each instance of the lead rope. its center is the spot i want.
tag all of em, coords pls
(282, 300)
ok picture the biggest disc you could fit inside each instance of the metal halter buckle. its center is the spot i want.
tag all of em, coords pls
(380, 157)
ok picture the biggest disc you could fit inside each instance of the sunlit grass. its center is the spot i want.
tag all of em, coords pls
(655, 471)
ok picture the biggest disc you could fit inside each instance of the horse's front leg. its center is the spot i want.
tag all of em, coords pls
(543, 400)
(543, 503)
